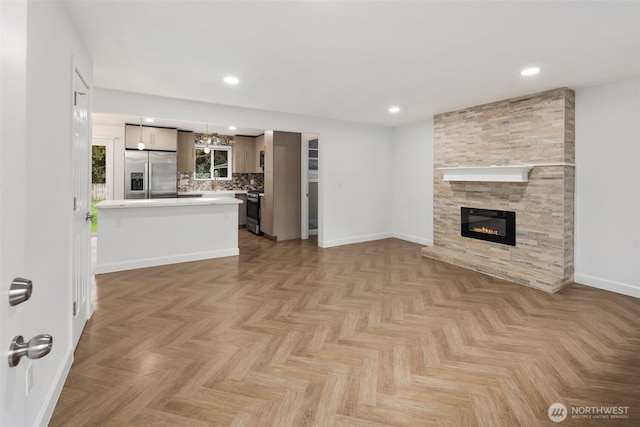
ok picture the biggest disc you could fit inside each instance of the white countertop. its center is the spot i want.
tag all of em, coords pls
(156, 203)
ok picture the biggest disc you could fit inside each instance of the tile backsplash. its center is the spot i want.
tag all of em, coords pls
(239, 181)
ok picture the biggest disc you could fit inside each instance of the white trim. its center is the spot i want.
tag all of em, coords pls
(173, 259)
(53, 395)
(304, 188)
(103, 140)
(213, 148)
(608, 285)
(305, 232)
(358, 239)
(413, 239)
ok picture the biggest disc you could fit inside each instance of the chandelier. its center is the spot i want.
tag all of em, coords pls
(207, 139)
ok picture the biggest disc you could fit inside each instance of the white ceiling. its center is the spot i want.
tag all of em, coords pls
(352, 60)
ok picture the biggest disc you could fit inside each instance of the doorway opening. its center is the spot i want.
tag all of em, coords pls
(98, 182)
(101, 175)
(310, 185)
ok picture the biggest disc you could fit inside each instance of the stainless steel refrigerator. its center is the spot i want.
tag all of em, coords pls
(150, 174)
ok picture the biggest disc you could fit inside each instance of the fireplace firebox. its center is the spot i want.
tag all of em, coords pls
(490, 225)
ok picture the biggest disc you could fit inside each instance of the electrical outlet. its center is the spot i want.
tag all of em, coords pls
(251, 181)
(116, 222)
(28, 378)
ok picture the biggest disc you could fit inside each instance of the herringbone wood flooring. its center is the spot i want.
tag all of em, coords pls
(371, 334)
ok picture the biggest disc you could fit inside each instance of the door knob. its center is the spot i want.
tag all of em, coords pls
(37, 347)
(20, 291)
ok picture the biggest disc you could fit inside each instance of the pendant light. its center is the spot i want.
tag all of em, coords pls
(141, 143)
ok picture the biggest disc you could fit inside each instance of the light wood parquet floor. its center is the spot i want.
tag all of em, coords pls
(371, 334)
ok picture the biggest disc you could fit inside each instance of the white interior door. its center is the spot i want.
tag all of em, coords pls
(13, 71)
(81, 186)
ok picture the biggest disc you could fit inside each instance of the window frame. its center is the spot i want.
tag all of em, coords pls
(214, 148)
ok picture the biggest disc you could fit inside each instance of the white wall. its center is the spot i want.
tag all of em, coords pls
(412, 173)
(607, 245)
(353, 193)
(51, 44)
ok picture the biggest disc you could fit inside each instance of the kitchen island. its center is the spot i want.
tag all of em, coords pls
(150, 232)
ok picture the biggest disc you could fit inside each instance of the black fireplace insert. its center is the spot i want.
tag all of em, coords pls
(490, 225)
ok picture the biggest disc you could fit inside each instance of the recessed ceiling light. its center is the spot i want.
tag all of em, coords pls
(231, 80)
(232, 128)
(149, 120)
(394, 109)
(530, 71)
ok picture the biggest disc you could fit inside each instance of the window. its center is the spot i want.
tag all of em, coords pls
(217, 160)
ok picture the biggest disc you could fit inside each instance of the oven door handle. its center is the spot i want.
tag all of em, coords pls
(251, 199)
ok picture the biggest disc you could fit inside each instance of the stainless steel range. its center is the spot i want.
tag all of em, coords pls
(253, 211)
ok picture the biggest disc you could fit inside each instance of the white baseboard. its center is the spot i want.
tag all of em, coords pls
(357, 239)
(152, 262)
(414, 239)
(380, 236)
(54, 393)
(608, 285)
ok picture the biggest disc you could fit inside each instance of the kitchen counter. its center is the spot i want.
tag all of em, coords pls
(210, 193)
(157, 203)
(145, 233)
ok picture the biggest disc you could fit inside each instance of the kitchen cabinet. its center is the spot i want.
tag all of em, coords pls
(249, 154)
(186, 151)
(266, 215)
(164, 139)
(244, 152)
(238, 154)
(242, 210)
(280, 218)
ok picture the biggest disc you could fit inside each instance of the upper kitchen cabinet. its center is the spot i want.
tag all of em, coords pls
(186, 152)
(154, 138)
(249, 154)
(238, 154)
(244, 152)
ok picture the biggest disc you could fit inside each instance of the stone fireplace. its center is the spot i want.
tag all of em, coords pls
(535, 132)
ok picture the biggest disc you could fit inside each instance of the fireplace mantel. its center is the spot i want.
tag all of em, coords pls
(505, 173)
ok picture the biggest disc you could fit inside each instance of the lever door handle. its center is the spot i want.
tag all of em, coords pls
(88, 216)
(37, 347)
